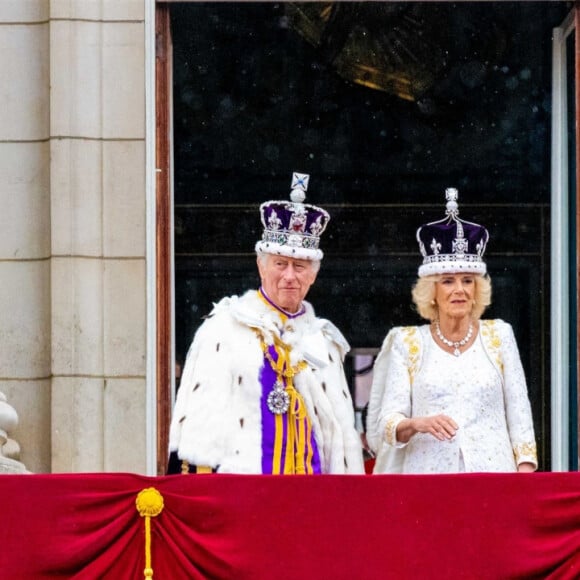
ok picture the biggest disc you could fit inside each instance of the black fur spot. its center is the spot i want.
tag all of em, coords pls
(345, 463)
(196, 387)
(240, 380)
(217, 347)
(182, 419)
(345, 395)
(315, 411)
(324, 387)
(242, 422)
(330, 357)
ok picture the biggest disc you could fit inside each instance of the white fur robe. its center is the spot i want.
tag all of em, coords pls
(217, 416)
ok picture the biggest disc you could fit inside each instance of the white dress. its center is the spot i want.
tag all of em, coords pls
(483, 390)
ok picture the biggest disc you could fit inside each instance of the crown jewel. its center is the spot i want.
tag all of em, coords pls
(452, 245)
(293, 228)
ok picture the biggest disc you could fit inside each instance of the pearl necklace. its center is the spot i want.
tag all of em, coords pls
(454, 344)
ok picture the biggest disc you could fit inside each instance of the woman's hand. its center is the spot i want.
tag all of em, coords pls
(441, 427)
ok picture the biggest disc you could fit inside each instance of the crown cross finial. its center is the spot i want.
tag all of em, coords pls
(452, 207)
(451, 194)
(299, 187)
(300, 181)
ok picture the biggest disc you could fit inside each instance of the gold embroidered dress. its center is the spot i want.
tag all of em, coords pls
(483, 390)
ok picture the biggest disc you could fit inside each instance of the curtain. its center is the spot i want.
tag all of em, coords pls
(498, 526)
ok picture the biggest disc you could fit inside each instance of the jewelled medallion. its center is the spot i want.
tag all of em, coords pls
(278, 400)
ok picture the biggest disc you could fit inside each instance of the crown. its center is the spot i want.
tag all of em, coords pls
(293, 228)
(452, 245)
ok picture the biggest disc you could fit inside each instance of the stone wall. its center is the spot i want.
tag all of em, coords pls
(72, 241)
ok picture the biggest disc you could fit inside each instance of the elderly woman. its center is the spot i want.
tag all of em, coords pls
(450, 396)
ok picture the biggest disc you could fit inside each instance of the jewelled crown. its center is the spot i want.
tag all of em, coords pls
(293, 228)
(452, 245)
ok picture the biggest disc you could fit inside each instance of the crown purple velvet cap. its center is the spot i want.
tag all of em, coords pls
(452, 245)
(293, 228)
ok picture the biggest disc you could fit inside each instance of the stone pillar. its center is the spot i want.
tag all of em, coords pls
(98, 268)
(25, 367)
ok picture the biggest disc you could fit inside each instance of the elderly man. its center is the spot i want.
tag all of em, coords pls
(263, 389)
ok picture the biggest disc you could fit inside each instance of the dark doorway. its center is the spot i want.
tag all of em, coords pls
(384, 105)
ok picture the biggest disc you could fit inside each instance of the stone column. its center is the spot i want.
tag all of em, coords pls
(98, 268)
(25, 226)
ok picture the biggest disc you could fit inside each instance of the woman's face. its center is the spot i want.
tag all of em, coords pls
(454, 294)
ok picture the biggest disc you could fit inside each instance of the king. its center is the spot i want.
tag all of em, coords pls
(263, 389)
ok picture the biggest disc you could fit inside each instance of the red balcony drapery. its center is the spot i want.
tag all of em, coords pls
(497, 526)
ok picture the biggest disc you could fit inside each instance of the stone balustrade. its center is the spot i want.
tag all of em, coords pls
(9, 448)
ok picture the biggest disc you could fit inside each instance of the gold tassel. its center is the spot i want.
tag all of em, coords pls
(149, 504)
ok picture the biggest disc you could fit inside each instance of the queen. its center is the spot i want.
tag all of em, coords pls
(450, 396)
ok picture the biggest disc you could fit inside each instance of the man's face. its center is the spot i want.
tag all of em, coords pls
(286, 280)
